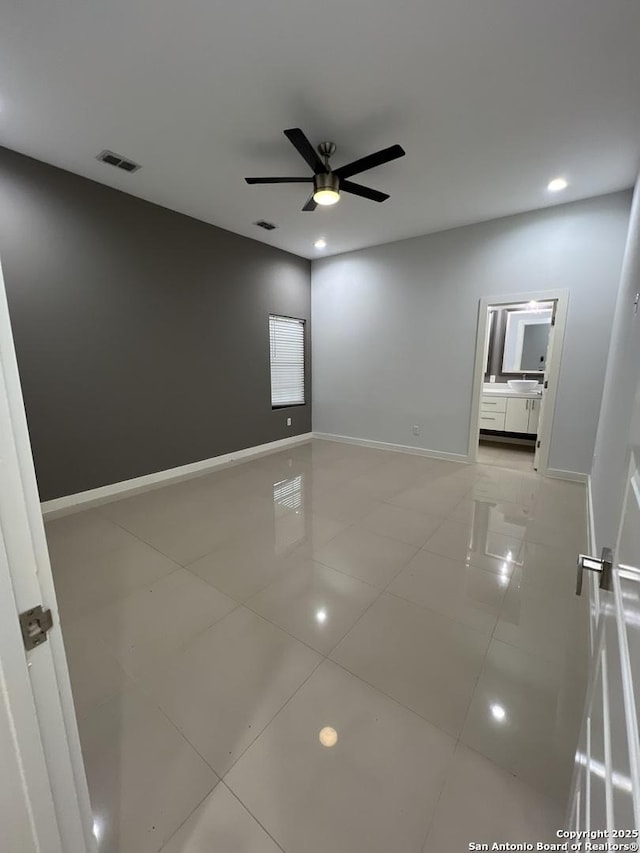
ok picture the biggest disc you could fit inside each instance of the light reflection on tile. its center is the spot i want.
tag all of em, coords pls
(536, 737)
(474, 544)
(375, 789)
(314, 603)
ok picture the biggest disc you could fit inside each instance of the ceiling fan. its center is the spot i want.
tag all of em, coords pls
(328, 183)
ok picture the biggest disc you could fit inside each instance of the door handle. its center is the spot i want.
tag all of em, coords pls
(604, 566)
(527, 405)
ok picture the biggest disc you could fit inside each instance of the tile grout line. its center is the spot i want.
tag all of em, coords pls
(245, 807)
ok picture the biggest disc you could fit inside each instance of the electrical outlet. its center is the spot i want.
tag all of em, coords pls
(288, 421)
(416, 429)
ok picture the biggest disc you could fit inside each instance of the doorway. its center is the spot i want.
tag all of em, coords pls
(518, 353)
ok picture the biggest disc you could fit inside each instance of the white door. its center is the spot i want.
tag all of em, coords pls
(44, 802)
(606, 793)
(549, 364)
(606, 786)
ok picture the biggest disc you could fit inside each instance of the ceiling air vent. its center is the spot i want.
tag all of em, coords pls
(268, 226)
(118, 161)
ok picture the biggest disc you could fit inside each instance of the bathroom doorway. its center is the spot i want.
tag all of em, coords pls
(518, 354)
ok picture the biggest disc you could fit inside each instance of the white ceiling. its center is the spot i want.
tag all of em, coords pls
(490, 99)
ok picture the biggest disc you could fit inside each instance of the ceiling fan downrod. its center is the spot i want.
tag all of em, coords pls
(326, 151)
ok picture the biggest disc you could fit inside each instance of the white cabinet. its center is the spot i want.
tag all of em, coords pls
(492, 412)
(534, 415)
(517, 419)
(509, 414)
(493, 403)
(492, 420)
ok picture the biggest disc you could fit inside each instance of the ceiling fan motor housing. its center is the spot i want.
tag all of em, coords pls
(326, 181)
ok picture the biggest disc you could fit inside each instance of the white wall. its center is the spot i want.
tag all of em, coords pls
(611, 457)
(394, 326)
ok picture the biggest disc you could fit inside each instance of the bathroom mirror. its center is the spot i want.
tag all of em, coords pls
(526, 339)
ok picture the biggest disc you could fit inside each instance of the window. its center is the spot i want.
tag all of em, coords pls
(286, 341)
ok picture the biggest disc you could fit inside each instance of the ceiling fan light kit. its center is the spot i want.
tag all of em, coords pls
(326, 189)
(328, 183)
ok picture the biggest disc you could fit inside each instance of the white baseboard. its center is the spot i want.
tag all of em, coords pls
(556, 473)
(126, 488)
(572, 476)
(400, 448)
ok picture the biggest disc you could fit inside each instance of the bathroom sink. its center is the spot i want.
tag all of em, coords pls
(523, 385)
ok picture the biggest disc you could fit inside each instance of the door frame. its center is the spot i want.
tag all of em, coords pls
(561, 296)
(35, 685)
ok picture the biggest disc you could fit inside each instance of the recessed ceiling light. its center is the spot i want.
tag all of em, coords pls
(321, 615)
(97, 829)
(320, 244)
(328, 736)
(557, 184)
(498, 713)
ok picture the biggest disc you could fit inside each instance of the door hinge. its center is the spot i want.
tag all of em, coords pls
(538, 444)
(35, 624)
(546, 384)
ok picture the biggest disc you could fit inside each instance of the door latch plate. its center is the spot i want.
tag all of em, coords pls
(603, 566)
(35, 624)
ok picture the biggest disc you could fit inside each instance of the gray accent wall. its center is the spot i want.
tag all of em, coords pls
(141, 334)
(620, 397)
(394, 326)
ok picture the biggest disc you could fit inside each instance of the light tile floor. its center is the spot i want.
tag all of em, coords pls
(332, 648)
(518, 456)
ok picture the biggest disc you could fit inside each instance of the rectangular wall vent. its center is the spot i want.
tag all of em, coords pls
(268, 226)
(118, 161)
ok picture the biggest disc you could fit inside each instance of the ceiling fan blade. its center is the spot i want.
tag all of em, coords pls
(370, 162)
(365, 192)
(311, 204)
(278, 180)
(305, 149)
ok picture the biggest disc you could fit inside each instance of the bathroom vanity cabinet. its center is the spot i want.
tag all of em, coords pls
(515, 413)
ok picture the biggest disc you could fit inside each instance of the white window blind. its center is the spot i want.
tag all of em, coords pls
(286, 339)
